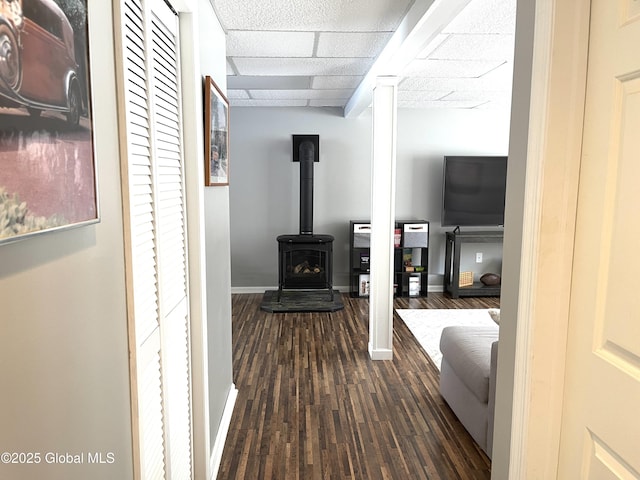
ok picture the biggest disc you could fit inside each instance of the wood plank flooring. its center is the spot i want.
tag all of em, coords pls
(312, 405)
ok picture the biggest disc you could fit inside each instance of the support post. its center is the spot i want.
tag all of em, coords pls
(383, 189)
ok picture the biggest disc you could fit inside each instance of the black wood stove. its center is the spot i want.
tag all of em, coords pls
(306, 259)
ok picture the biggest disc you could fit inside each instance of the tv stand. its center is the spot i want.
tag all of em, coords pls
(454, 241)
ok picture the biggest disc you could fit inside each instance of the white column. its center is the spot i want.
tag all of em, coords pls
(383, 192)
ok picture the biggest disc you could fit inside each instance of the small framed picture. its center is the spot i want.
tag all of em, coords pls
(216, 135)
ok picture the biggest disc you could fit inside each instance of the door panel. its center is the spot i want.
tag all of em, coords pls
(157, 259)
(601, 428)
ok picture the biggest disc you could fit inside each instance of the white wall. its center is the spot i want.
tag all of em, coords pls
(63, 328)
(516, 183)
(265, 182)
(216, 201)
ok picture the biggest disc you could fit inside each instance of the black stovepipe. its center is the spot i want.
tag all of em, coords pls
(306, 151)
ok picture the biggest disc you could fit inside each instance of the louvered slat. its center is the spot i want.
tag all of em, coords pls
(151, 421)
(158, 239)
(144, 261)
(171, 244)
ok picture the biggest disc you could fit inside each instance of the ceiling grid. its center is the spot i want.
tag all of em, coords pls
(317, 53)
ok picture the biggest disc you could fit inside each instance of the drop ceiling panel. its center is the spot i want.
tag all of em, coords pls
(336, 81)
(501, 77)
(351, 44)
(422, 96)
(302, 66)
(270, 44)
(472, 96)
(233, 94)
(498, 103)
(311, 15)
(316, 53)
(285, 82)
(467, 84)
(432, 45)
(485, 16)
(440, 104)
(451, 68)
(298, 94)
(475, 47)
(269, 103)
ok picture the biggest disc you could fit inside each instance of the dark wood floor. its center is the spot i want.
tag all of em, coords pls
(312, 405)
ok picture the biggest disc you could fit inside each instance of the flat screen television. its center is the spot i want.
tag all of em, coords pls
(473, 191)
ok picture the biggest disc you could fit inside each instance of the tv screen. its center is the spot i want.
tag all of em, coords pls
(474, 191)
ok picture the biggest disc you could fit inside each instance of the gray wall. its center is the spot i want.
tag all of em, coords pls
(264, 180)
(217, 240)
(64, 362)
(64, 358)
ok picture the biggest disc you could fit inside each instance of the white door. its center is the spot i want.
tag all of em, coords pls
(154, 196)
(600, 436)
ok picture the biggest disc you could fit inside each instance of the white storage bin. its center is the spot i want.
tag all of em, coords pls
(414, 285)
(361, 235)
(363, 284)
(416, 235)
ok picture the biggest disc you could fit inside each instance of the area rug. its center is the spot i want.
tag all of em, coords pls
(427, 324)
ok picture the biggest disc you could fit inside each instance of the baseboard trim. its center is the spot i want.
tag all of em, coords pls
(344, 289)
(221, 437)
(380, 353)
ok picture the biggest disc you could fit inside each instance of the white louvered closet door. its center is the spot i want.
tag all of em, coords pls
(157, 266)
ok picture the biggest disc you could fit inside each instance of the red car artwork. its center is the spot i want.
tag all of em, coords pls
(38, 68)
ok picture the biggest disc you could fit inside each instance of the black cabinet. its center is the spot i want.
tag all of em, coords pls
(454, 242)
(410, 259)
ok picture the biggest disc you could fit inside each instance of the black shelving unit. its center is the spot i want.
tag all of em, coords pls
(411, 258)
(454, 241)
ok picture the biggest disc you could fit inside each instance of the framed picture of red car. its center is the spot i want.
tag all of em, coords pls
(47, 164)
(216, 125)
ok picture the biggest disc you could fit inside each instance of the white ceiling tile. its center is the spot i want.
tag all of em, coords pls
(270, 44)
(425, 83)
(502, 76)
(297, 53)
(485, 16)
(302, 66)
(450, 68)
(432, 45)
(267, 103)
(496, 104)
(472, 96)
(351, 44)
(492, 84)
(475, 47)
(312, 15)
(424, 95)
(263, 82)
(297, 94)
(336, 81)
(236, 94)
(439, 104)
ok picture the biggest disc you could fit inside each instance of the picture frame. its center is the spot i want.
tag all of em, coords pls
(48, 179)
(216, 135)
